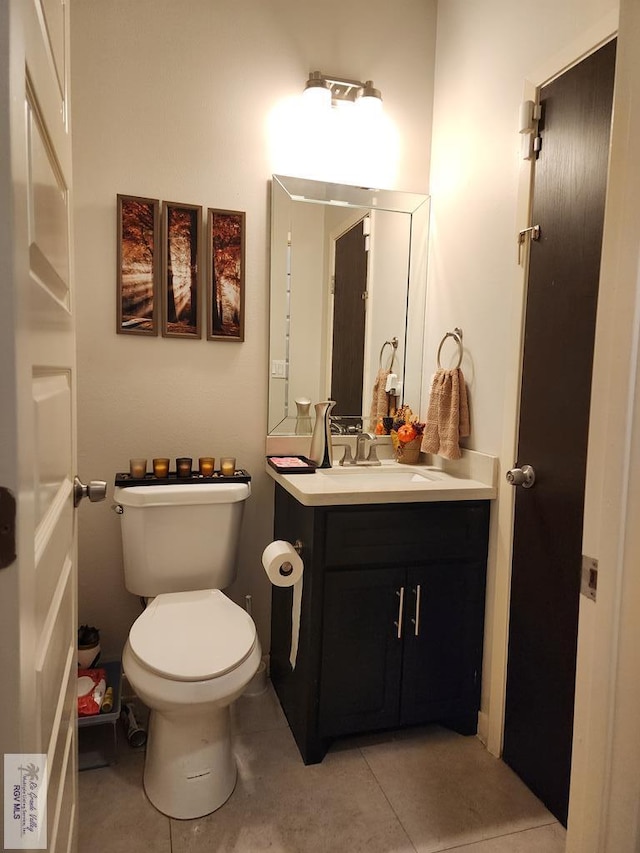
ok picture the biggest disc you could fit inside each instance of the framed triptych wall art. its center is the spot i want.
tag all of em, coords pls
(225, 275)
(161, 264)
(181, 239)
(138, 267)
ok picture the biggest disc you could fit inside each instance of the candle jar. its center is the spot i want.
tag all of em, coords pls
(206, 464)
(228, 466)
(161, 468)
(183, 466)
(137, 468)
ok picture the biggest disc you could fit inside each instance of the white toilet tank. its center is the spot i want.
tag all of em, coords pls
(180, 537)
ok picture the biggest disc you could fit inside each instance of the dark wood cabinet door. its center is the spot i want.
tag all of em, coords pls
(361, 650)
(443, 631)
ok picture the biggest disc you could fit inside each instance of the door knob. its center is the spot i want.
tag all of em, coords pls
(96, 490)
(524, 476)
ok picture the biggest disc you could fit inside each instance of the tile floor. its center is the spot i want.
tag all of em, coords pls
(417, 791)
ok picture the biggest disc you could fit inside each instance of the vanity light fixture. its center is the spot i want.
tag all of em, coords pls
(317, 90)
(328, 88)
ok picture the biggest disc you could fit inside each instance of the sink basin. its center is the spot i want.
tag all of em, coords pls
(392, 475)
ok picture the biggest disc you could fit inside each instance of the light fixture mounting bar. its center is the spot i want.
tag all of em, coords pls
(342, 88)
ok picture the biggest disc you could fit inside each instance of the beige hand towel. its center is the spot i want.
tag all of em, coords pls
(430, 437)
(380, 401)
(447, 417)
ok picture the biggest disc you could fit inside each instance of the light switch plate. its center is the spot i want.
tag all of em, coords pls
(278, 368)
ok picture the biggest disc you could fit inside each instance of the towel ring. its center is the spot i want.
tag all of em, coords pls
(457, 336)
(393, 343)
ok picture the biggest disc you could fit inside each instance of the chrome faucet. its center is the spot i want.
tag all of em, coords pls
(360, 459)
(372, 457)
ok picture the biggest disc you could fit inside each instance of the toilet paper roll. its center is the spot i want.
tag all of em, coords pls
(284, 567)
(282, 563)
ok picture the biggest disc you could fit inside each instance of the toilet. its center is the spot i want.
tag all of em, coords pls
(192, 651)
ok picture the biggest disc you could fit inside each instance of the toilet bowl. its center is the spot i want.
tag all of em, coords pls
(188, 657)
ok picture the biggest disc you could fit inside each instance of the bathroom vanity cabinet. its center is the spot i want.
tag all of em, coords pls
(391, 620)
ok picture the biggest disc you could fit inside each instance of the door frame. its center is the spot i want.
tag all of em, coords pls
(604, 790)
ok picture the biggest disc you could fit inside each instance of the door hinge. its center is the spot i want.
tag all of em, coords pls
(534, 231)
(333, 284)
(7, 528)
(530, 115)
(589, 579)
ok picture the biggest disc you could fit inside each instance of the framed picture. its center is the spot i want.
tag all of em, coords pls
(181, 238)
(225, 285)
(138, 265)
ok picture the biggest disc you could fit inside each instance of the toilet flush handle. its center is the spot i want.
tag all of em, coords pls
(118, 509)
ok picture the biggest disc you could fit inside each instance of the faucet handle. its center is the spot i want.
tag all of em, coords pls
(347, 458)
(372, 456)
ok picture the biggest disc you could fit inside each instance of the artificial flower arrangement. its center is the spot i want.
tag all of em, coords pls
(406, 435)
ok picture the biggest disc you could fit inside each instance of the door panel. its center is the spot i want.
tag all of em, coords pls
(63, 806)
(48, 219)
(443, 651)
(569, 196)
(53, 656)
(38, 622)
(53, 448)
(361, 653)
(54, 13)
(52, 548)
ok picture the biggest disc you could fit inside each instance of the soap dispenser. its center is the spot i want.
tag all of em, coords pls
(321, 449)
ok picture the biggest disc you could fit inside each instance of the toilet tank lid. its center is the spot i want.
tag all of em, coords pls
(182, 494)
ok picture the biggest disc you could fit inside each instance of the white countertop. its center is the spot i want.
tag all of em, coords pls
(474, 477)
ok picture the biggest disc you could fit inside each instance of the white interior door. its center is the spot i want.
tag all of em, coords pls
(37, 413)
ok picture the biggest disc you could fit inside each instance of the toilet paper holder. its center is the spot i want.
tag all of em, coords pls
(286, 568)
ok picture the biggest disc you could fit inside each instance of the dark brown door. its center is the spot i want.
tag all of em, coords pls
(349, 305)
(569, 196)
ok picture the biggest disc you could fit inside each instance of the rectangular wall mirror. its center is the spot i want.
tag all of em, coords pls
(348, 274)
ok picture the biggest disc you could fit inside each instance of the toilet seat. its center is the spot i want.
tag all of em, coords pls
(192, 636)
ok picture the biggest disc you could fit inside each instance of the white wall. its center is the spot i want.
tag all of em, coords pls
(172, 101)
(485, 51)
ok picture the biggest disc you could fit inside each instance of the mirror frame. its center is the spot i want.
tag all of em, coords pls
(295, 190)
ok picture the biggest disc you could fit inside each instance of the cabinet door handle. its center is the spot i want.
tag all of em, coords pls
(398, 623)
(416, 620)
